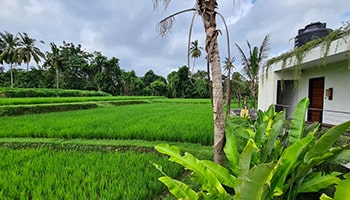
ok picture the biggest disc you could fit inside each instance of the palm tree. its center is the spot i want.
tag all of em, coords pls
(207, 11)
(228, 66)
(9, 52)
(28, 50)
(54, 60)
(252, 64)
(238, 86)
(195, 52)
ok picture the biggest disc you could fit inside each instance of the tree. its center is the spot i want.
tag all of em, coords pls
(195, 52)
(228, 67)
(207, 11)
(252, 64)
(132, 85)
(54, 60)
(173, 82)
(159, 88)
(28, 50)
(238, 86)
(9, 52)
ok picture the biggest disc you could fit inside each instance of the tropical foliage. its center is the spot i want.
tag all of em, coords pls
(270, 160)
(253, 62)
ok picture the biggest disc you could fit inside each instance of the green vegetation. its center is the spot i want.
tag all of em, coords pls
(50, 100)
(46, 92)
(49, 174)
(164, 122)
(299, 53)
(44, 160)
(266, 161)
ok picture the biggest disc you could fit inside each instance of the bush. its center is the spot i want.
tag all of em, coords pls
(45, 92)
(276, 162)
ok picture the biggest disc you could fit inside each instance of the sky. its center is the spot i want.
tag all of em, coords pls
(127, 29)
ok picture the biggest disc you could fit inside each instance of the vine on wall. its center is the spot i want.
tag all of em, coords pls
(300, 52)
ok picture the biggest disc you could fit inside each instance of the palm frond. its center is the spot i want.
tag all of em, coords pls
(165, 3)
(166, 24)
(265, 46)
(245, 60)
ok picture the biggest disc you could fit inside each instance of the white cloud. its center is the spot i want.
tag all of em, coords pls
(127, 29)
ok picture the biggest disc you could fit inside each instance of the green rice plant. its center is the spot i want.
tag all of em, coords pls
(50, 100)
(164, 122)
(182, 100)
(50, 174)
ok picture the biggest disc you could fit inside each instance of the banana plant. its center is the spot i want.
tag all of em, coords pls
(276, 162)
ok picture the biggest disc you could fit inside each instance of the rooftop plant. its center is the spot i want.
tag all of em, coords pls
(300, 52)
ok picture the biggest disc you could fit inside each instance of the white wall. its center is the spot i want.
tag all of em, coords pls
(337, 76)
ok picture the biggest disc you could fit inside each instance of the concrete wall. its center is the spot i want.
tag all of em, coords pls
(337, 76)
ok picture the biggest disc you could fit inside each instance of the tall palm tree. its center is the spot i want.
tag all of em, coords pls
(9, 52)
(252, 64)
(28, 50)
(195, 52)
(54, 60)
(207, 11)
(228, 66)
(238, 86)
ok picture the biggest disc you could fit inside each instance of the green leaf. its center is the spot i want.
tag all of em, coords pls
(342, 189)
(287, 161)
(245, 158)
(325, 197)
(257, 181)
(318, 182)
(324, 143)
(298, 121)
(231, 152)
(277, 128)
(341, 158)
(203, 175)
(221, 173)
(178, 189)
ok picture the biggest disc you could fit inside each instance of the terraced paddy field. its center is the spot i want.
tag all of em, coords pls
(99, 153)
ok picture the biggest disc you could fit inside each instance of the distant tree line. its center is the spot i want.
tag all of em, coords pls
(69, 66)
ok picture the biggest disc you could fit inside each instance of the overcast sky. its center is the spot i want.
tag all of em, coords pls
(126, 29)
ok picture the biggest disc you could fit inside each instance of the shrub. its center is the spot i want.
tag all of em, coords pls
(276, 162)
(45, 92)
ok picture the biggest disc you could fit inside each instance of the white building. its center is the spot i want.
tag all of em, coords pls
(325, 80)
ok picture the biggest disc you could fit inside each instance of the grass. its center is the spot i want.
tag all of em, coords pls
(49, 174)
(151, 122)
(50, 100)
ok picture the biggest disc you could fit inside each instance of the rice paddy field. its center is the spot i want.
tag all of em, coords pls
(98, 153)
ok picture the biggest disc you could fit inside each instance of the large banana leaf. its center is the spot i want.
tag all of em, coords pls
(178, 189)
(257, 182)
(277, 129)
(203, 175)
(342, 157)
(298, 121)
(327, 140)
(231, 151)
(343, 189)
(318, 182)
(222, 174)
(245, 158)
(288, 159)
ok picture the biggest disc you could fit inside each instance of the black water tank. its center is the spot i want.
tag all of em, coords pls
(310, 32)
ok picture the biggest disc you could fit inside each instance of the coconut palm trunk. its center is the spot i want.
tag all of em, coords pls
(208, 14)
(207, 11)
